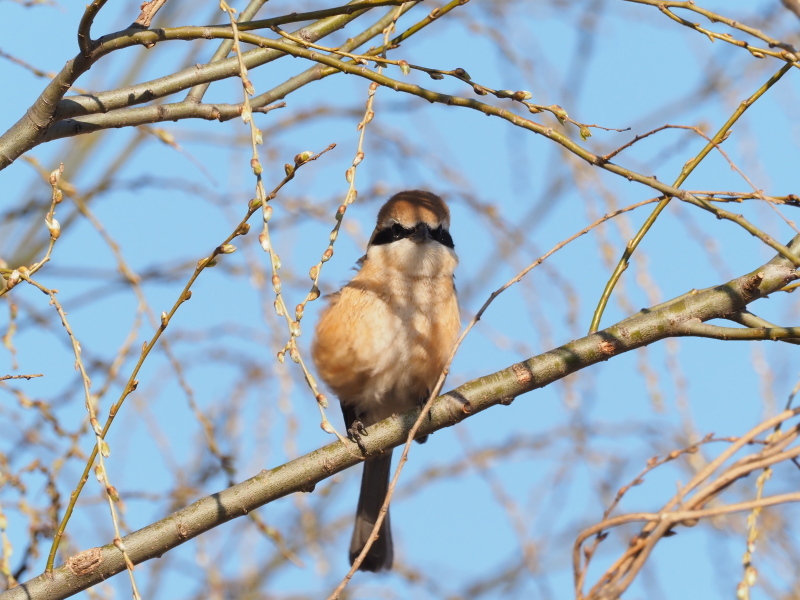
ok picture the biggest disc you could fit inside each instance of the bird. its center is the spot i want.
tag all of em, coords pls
(383, 340)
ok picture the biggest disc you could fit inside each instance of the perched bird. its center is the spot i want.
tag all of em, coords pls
(384, 338)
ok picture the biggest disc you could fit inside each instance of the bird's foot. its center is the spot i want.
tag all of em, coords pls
(355, 432)
(421, 402)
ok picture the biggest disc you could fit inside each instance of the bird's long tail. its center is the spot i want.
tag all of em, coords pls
(374, 485)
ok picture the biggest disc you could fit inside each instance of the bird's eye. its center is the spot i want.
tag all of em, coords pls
(441, 235)
(391, 234)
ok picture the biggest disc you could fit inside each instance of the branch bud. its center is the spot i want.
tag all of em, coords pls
(560, 113)
(13, 279)
(54, 227)
(112, 493)
(302, 158)
(104, 449)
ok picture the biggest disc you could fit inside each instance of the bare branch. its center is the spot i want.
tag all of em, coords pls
(85, 41)
(149, 10)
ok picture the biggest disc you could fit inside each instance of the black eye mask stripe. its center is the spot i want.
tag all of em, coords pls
(441, 235)
(398, 232)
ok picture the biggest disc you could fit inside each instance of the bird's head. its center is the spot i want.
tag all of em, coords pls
(413, 235)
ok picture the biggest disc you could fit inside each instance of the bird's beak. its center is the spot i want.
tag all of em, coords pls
(421, 233)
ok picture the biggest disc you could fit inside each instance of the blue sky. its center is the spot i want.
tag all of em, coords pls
(560, 453)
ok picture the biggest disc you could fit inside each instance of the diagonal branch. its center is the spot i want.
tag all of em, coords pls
(788, 52)
(666, 320)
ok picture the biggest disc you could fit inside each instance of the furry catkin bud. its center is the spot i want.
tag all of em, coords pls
(302, 157)
(112, 493)
(263, 239)
(54, 227)
(104, 448)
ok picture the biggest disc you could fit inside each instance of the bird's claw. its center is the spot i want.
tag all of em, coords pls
(355, 432)
(423, 400)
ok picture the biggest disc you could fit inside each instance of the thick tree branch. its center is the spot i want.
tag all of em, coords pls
(23, 135)
(145, 115)
(302, 474)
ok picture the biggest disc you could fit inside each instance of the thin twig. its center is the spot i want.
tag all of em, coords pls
(149, 10)
(690, 165)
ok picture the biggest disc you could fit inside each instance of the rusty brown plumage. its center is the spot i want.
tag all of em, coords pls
(384, 338)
